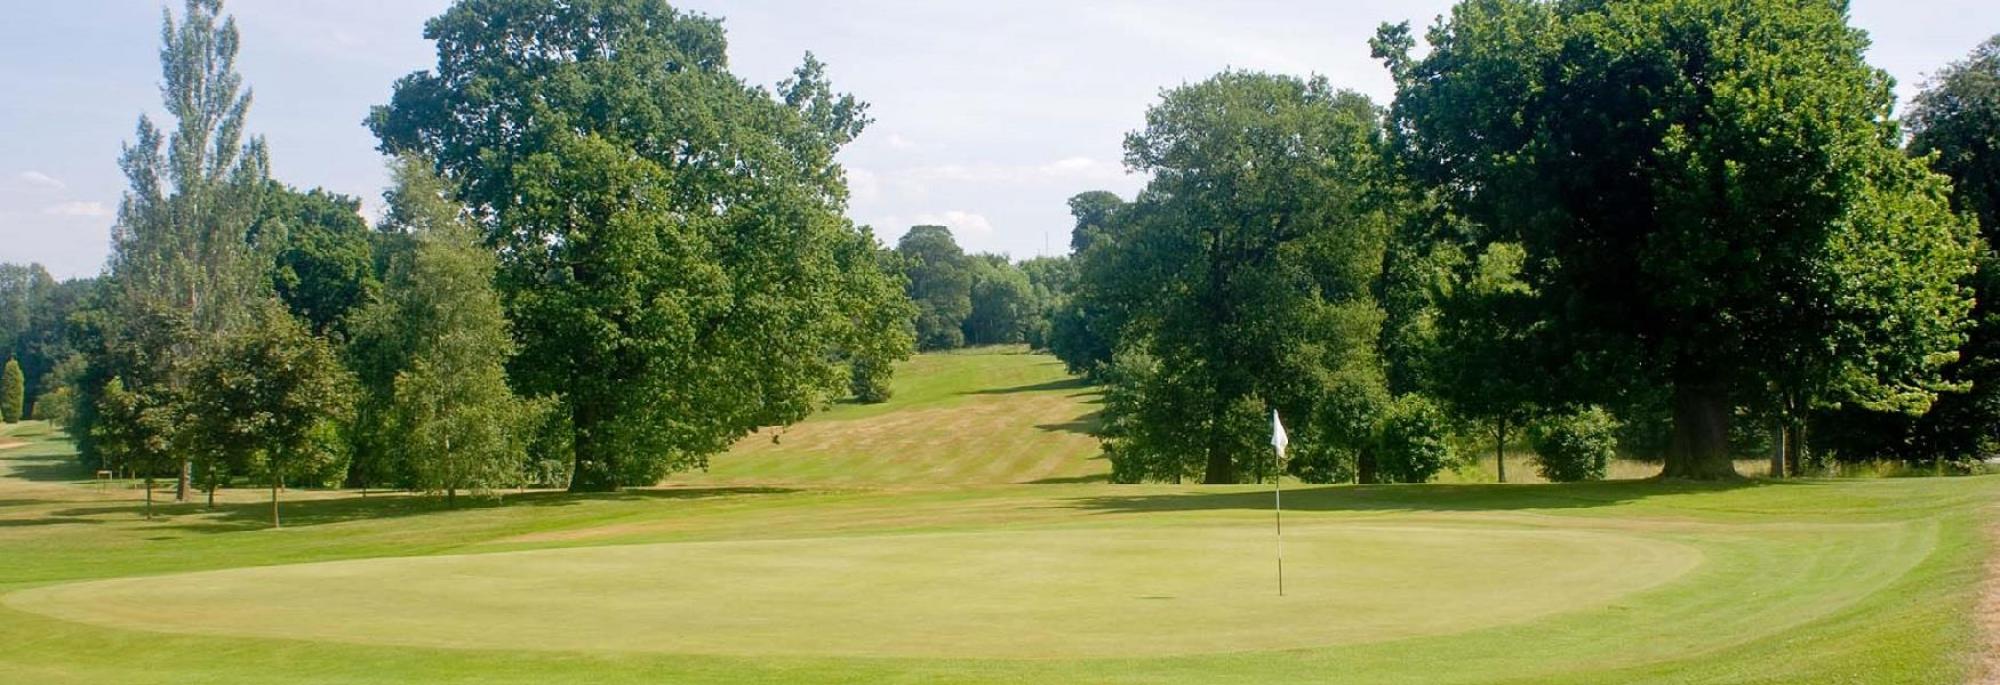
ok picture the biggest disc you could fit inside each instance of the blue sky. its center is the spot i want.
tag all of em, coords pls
(988, 115)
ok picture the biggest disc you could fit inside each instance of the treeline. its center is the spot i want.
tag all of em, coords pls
(604, 258)
(976, 299)
(1683, 231)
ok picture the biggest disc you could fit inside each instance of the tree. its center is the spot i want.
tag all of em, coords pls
(1708, 197)
(1954, 118)
(1484, 364)
(440, 336)
(884, 318)
(13, 392)
(1094, 212)
(1953, 123)
(324, 265)
(273, 390)
(1246, 270)
(180, 248)
(22, 287)
(1083, 326)
(1002, 302)
(49, 340)
(1050, 283)
(940, 283)
(671, 239)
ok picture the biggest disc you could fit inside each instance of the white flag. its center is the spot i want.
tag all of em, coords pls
(1278, 438)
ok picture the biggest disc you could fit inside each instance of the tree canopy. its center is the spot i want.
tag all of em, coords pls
(1248, 271)
(1708, 194)
(673, 253)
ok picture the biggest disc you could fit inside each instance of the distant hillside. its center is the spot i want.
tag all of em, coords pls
(985, 415)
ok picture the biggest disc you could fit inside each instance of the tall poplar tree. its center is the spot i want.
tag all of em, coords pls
(180, 250)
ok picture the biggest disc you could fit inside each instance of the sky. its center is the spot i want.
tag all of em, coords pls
(988, 115)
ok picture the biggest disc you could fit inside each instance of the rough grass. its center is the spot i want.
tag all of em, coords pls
(1810, 581)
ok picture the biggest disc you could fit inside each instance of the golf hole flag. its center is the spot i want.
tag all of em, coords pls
(1278, 441)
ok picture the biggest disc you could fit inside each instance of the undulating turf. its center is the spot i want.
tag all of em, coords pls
(983, 415)
(1866, 581)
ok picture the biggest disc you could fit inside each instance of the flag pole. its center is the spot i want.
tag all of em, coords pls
(1278, 509)
(1278, 442)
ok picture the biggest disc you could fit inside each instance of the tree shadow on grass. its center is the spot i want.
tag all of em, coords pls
(1431, 497)
(1048, 386)
(49, 469)
(1073, 480)
(1082, 425)
(241, 516)
(46, 521)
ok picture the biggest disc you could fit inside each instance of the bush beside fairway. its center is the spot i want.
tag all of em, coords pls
(1803, 581)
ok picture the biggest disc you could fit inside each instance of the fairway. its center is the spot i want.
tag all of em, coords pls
(980, 415)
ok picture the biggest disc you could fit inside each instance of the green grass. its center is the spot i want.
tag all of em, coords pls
(799, 580)
(984, 415)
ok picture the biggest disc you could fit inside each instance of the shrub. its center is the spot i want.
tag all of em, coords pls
(13, 392)
(870, 380)
(1576, 445)
(1415, 442)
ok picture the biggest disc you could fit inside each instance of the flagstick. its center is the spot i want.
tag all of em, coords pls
(1278, 442)
(1278, 510)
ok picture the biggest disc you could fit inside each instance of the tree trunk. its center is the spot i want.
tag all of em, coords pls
(181, 487)
(589, 472)
(1778, 451)
(451, 497)
(1221, 469)
(1795, 449)
(277, 476)
(149, 498)
(1364, 467)
(1699, 449)
(1500, 447)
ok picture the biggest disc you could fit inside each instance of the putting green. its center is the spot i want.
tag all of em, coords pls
(1068, 592)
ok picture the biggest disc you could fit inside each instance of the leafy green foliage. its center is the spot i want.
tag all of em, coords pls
(1246, 270)
(13, 392)
(324, 263)
(1083, 325)
(276, 393)
(1003, 302)
(440, 417)
(1415, 441)
(182, 274)
(1574, 445)
(1953, 122)
(672, 250)
(939, 278)
(1708, 197)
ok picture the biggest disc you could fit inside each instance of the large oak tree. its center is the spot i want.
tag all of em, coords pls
(671, 241)
(1709, 195)
(1247, 269)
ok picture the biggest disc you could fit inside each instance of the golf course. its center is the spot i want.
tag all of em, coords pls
(911, 541)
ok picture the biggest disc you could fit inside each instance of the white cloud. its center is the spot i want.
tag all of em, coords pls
(896, 141)
(863, 185)
(85, 209)
(1082, 167)
(41, 181)
(1067, 168)
(960, 222)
